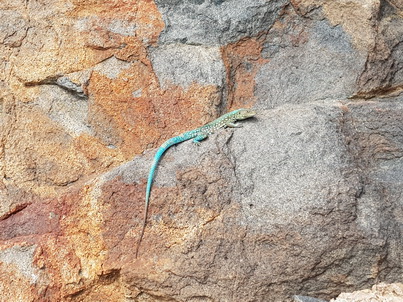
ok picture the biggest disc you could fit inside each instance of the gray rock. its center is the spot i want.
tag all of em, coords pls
(112, 67)
(69, 112)
(22, 258)
(294, 143)
(13, 28)
(69, 85)
(185, 64)
(215, 22)
(295, 195)
(306, 198)
(123, 27)
(384, 68)
(306, 299)
(326, 66)
(283, 199)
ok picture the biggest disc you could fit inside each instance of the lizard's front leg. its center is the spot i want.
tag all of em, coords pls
(233, 125)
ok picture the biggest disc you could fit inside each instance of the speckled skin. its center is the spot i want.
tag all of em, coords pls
(199, 134)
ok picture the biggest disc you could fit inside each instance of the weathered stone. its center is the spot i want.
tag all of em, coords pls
(383, 72)
(379, 293)
(183, 65)
(306, 299)
(304, 64)
(13, 28)
(66, 110)
(265, 217)
(305, 199)
(215, 22)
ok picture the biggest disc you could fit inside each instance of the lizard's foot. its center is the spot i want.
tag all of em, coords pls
(234, 125)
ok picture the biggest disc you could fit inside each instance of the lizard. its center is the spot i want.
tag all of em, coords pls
(198, 134)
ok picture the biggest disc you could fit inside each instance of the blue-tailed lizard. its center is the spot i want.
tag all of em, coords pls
(199, 134)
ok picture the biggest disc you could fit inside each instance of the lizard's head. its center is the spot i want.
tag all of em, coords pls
(242, 114)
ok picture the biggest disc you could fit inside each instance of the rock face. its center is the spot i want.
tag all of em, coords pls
(379, 293)
(306, 199)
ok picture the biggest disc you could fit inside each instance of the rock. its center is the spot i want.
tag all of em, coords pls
(383, 72)
(13, 28)
(304, 200)
(310, 67)
(215, 22)
(261, 205)
(306, 299)
(183, 65)
(380, 292)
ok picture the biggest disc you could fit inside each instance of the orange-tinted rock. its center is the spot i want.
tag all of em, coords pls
(243, 60)
(304, 199)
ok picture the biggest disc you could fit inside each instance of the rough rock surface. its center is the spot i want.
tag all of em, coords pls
(305, 200)
(379, 293)
(306, 299)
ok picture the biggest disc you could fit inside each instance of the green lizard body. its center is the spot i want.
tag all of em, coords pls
(199, 134)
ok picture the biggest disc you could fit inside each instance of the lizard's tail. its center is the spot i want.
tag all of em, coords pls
(150, 179)
(148, 190)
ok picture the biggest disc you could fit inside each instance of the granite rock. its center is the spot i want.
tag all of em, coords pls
(378, 293)
(304, 201)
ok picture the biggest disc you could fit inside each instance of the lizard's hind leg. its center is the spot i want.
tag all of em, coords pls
(199, 138)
